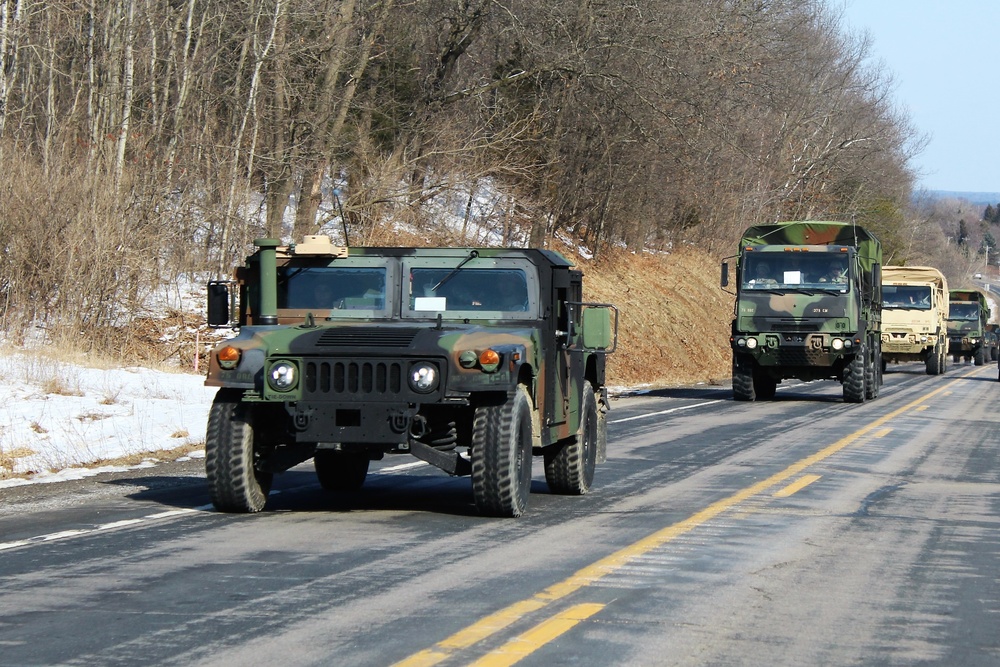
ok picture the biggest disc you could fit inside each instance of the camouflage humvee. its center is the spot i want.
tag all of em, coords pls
(472, 360)
(808, 306)
(968, 313)
(914, 317)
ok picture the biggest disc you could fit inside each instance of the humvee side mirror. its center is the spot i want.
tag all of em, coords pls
(599, 332)
(220, 303)
(725, 274)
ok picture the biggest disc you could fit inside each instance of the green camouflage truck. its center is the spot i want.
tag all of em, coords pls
(968, 313)
(472, 360)
(915, 317)
(808, 307)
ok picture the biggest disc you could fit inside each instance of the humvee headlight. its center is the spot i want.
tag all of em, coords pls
(282, 376)
(741, 342)
(228, 357)
(489, 360)
(837, 344)
(751, 343)
(423, 377)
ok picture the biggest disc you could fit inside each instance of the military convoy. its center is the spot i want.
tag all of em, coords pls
(915, 316)
(473, 360)
(969, 312)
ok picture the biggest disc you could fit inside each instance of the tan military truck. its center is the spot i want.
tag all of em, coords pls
(915, 317)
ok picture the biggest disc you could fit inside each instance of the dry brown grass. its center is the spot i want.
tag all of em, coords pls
(674, 322)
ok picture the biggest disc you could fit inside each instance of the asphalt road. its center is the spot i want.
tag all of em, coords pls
(802, 531)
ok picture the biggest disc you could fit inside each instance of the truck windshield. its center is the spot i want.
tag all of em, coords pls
(910, 297)
(768, 271)
(963, 311)
(476, 291)
(325, 288)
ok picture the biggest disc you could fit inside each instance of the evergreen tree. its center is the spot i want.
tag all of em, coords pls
(963, 233)
(989, 215)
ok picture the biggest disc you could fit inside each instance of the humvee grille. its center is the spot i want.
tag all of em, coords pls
(367, 337)
(355, 377)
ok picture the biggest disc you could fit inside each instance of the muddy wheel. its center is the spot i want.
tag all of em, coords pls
(501, 456)
(234, 482)
(743, 385)
(569, 466)
(340, 471)
(854, 378)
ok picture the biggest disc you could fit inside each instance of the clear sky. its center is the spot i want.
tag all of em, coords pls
(944, 57)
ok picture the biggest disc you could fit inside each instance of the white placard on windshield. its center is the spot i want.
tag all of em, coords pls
(430, 303)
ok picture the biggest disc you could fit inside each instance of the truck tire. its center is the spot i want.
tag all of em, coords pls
(763, 386)
(854, 378)
(979, 356)
(569, 466)
(872, 376)
(933, 362)
(743, 386)
(501, 456)
(340, 471)
(234, 483)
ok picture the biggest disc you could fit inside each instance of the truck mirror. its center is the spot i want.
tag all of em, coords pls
(725, 274)
(597, 328)
(219, 303)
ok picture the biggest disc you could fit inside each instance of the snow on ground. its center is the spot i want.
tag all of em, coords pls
(59, 419)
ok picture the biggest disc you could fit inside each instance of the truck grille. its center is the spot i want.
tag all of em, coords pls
(358, 378)
(367, 337)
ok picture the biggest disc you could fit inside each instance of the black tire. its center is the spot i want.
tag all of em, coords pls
(501, 456)
(994, 354)
(933, 363)
(569, 466)
(854, 379)
(743, 386)
(763, 386)
(979, 357)
(234, 482)
(873, 378)
(340, 471)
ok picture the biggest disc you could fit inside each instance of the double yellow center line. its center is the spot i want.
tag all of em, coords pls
(526, 643)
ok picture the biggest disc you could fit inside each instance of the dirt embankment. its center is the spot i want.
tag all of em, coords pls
(675, 319)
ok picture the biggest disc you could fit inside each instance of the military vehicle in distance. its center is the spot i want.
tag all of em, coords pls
(808, 306)
(968, 313)
(472, 360)
(915, 317)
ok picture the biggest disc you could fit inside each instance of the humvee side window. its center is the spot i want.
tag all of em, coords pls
(498, 290)
(326, 288)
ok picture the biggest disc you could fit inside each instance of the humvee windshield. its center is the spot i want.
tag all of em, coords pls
(763, 271)
(968, 310)
(369, 288)
(468, 292)
(347, 289)
(910, 297)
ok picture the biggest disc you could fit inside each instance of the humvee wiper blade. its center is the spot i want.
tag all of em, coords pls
(472, 256)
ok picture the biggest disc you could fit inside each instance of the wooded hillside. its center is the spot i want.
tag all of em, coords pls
(142, 139)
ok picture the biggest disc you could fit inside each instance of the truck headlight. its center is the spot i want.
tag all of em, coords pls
(282, 376)
(424, 377)
(837, 344)
(751, 343)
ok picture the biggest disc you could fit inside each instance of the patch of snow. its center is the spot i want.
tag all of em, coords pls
(60, 418)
